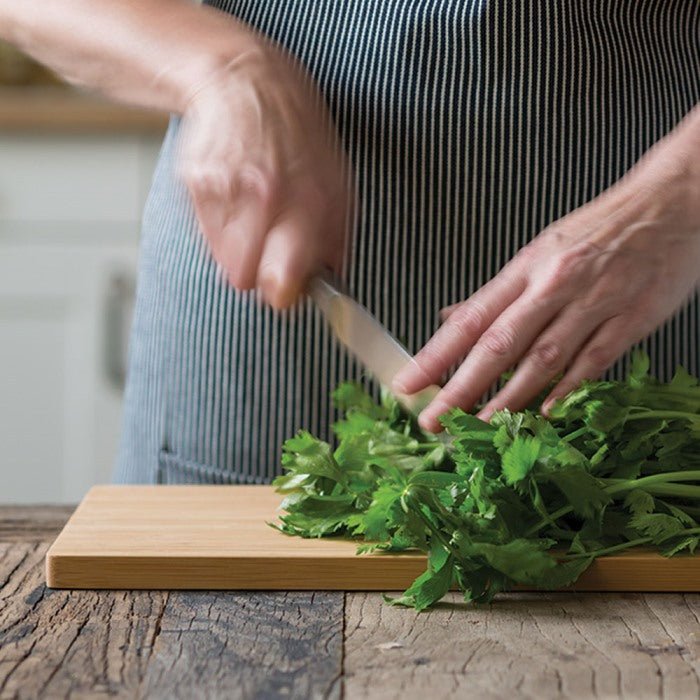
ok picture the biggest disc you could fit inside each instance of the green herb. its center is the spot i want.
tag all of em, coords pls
(518, 500)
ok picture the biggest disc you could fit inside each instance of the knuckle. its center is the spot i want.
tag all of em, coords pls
(562, 270)
(525, 256)
(574, 261)
(204, 181)
(500, 340)
(431, 358)
(454, 394)
(548, 356)
(599, 357)
(467, 321)
(191, 176)
(264, 186)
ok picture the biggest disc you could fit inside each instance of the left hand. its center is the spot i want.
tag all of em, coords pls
(579, 295)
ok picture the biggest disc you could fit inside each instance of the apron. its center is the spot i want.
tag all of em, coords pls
(470, 125)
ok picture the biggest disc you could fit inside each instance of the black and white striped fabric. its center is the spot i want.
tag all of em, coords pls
(471, 125)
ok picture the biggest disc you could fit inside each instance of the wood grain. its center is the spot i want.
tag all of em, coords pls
(554, 645)
(61, 644)
(93, 644)
(32, 523)
(244, 645)
(217, 537)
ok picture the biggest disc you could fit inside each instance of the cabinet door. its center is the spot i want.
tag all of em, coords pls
(60, 401)
(70, 209)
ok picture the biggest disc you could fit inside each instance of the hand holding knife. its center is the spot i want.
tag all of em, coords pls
(365, 337)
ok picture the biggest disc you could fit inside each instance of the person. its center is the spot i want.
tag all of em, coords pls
(534, 167)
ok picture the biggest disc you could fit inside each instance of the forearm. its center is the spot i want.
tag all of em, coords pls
(676, 153)
(152, 53)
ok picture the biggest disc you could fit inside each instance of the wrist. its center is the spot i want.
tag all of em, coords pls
(672, 161)
(186, 78)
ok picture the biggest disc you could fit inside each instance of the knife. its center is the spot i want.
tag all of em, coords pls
(365, 337)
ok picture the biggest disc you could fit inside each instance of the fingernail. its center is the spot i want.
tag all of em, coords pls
(269, 286)
(398, 386)
(427, 422)
(485, 414)
(398, 383)
(404, 382)
(546, 405)
(428, 419)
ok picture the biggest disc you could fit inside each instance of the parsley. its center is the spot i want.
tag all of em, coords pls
(518, 500)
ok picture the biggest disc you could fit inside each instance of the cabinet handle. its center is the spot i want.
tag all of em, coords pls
(118, 312)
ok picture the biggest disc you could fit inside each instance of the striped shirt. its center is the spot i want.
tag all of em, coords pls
(470, 126)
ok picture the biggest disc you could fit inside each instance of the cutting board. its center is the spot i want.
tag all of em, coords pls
(217, 537)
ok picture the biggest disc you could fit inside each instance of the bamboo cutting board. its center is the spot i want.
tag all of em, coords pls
(217, 537)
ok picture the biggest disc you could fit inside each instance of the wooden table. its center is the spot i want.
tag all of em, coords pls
(131, 644)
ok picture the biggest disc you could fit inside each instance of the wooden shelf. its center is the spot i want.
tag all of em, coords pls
(61, 110)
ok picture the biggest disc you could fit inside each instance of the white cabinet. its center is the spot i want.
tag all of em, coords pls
(70, 212)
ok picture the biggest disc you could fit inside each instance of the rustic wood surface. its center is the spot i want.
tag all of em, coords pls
(554, 645)
(32, 524)
(140, 644)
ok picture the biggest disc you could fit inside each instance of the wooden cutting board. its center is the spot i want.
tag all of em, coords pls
(217, 537)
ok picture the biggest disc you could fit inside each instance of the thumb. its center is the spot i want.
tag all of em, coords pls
(290, 256)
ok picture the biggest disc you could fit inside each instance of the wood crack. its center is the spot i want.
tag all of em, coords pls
(64, 656)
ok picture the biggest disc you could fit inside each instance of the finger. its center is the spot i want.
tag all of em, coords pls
(447, 311)
(548, 357)
(608, 342)
(211, 198)
(290, 255)
(244, 234)
(498, 349)
(456, 337)
(511, 268)
(241, 246)
(233, 218)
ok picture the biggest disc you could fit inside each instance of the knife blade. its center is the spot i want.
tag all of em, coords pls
(366, 338)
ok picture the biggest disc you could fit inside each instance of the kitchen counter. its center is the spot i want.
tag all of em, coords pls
(159, 644)
(58, 109)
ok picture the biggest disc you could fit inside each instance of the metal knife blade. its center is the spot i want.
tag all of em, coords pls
(367, 339)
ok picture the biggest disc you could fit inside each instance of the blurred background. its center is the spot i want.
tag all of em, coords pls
(74, 175)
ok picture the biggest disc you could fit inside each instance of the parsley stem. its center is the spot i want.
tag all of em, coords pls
(670, 489)
(428, 446)
(576, 433)
(564, 510)
(641, 415)
(627, 485)
(610, 550)
(683, 533)
(436, 532)
(645, 481)
(633, 543)
(686, 395)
